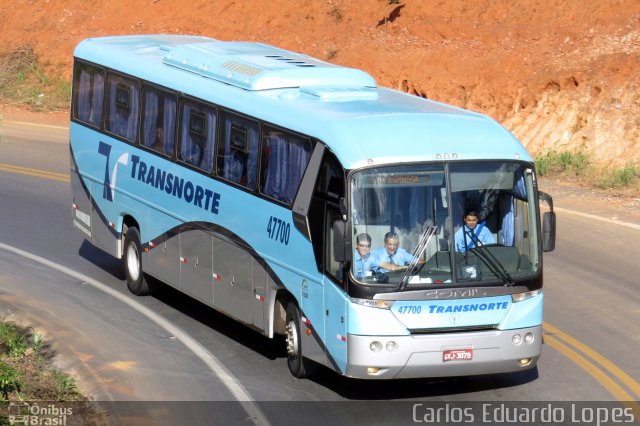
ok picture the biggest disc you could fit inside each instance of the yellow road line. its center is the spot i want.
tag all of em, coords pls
(34, 172)
(24, 123)
(589, 367)
(554, 337)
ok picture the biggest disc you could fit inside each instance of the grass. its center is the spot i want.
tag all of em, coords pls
(24, 82)
(554, 163)
(620, 177)
(578, 165)
(28, 381)
(25, 374)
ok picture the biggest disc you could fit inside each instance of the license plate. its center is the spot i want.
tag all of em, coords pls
(457, 355)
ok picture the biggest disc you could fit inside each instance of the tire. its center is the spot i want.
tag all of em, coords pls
(136, 281)
(299, 366)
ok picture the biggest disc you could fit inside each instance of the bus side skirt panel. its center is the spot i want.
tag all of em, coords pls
(81, 205)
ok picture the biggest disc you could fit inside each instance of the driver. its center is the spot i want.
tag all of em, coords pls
(363, 261)
(391, 257)
(472, 232)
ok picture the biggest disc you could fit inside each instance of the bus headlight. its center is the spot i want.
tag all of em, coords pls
(373, 303)
(519, 297)
(375, 346)
(528, 338)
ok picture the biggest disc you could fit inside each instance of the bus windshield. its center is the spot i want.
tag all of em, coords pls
(448, 224)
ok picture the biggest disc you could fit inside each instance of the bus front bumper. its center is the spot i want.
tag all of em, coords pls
(443, 355)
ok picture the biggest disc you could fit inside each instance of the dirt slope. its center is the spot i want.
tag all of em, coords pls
(559, 73)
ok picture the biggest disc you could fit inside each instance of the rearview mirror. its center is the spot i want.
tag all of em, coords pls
(548, 231)
(548, 223)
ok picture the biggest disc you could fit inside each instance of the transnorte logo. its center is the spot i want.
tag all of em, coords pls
(173, 185)
(468, 307)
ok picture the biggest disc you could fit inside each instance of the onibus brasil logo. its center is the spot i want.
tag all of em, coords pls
(34, 414)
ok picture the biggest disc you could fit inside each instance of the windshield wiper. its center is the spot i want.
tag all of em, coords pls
(490, 260)
(425, 238)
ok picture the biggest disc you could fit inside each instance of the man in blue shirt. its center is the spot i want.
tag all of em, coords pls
(472, 232)
(363, 261)
(391, 257)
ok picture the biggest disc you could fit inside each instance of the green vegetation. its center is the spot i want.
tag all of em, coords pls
(14, 341)
(578, 165)
(553, 163)
(9, 380)
(24, 81)
(24, 371)
(620, 177)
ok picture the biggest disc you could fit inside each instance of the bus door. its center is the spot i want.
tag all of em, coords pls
(325, 210)
(334, 299)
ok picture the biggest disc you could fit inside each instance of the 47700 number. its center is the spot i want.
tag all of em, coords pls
(278, 230)
(410, 309)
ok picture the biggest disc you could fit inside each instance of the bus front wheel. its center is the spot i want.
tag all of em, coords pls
(136, 281)
(299, 366)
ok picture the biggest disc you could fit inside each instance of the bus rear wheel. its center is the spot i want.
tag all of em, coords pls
(299, 366)
(136, 281)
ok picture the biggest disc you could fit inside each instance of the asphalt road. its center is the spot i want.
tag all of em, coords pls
(171, 348)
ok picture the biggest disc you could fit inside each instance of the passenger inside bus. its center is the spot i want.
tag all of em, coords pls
(158, 144)
(472, 233)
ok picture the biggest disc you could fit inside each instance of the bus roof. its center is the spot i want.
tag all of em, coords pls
(363, 124)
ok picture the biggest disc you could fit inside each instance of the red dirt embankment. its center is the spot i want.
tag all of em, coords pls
(560, 74)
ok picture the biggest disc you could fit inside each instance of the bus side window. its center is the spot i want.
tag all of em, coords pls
(197, 135)
(88, 94)
(158, 120)
(122, 107)
(330, 184)
(237, 159)
(285, 160)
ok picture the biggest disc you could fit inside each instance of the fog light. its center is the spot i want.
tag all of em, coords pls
(525, 361)
(373, 370)
(391, 346)
(528, 338)
(375, 346)
(516, 339)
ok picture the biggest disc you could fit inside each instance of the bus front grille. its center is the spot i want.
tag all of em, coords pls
(439, 330)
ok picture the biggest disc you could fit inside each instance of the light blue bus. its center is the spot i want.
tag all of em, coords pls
(272, 187)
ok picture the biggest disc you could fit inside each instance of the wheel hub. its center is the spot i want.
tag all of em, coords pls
(133, 264)
(292, 339)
